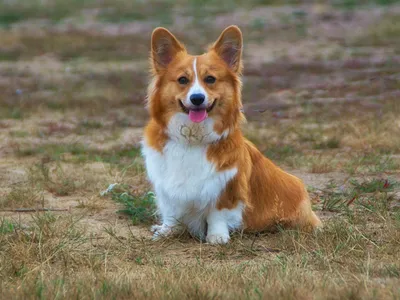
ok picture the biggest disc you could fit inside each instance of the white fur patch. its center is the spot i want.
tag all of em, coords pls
(220, 222)
(187, 185)
(196, 88)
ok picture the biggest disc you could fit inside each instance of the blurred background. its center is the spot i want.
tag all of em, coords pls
(321, 81)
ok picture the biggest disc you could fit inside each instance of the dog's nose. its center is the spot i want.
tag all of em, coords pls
(197, 99)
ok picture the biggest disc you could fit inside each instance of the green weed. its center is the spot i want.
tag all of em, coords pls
(140, 208)
(6, 226)
(373, 185)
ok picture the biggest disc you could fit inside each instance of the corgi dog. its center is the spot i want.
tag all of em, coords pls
(205, 174)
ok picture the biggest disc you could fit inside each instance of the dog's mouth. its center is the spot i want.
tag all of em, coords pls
(197, 115)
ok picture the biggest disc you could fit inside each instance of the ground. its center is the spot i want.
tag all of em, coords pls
(321, 96)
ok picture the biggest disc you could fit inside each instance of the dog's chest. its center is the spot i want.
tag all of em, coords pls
(183, 173)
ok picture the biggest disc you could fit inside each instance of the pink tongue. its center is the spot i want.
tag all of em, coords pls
(197, 116)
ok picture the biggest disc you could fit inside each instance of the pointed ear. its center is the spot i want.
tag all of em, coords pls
(229, 47)
(164, 47)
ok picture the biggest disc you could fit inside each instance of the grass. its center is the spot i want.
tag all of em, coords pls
(74, 45)
(19, 134)
(121, 11)
(382, 33)
(369, 196)
(374, 185)
(280, 152)
(330, 143)
(141, 209)
(322, 165)
(353, 4)
(6, 226)
(80, 153)
(22, 195)
(371, 163)
(321, 100)
(91, 93)
(16, 11)
(56, 181)
(247, 266)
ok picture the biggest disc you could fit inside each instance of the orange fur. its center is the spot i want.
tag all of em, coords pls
(271, 196)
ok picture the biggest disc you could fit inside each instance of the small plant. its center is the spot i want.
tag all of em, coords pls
(359, 192)
(141, 208)
(373, 195)
(334, 198)
(331, 143)
(373, 185)
(6, 226)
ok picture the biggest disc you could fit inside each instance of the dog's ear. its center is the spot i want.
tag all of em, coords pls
(229, 47)
(164, 47)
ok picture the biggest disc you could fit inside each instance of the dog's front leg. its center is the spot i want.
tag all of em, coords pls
(220, 221)
(170, 215)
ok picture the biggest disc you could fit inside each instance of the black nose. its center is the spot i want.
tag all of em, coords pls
(197, 99)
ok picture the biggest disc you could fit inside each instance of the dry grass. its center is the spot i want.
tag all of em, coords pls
(321, 96)
(22, 195)
(54, 256)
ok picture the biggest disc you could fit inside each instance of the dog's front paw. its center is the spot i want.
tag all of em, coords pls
(155, 228)
(161, 231)
(215, 239)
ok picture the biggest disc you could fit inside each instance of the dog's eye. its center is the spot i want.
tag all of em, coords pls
(183, 80)
(209, 79)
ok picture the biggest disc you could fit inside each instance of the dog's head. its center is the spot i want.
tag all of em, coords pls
(200, 93)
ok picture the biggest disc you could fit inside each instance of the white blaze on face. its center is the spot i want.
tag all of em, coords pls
(196, 87)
